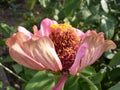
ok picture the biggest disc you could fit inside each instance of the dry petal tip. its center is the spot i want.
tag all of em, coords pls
(25, 31)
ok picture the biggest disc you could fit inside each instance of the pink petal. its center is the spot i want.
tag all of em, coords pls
(43, 51)
(109, 44)
(45, 26)
(80, 54)
(11, 40)
(36, 32)
(17, 53)
(18, 37)
(80, 33)
(25, 31)
(96, 47)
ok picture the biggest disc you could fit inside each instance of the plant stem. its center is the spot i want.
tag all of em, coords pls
(60, 83)
(10, 71)
(89, 81)
(115, 3)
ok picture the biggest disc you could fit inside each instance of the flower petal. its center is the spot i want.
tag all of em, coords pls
(80, 54)
(109, 44)
(45, 26)
(18, 37)
(80, 33)
(11, 40)
(43, 51)
(96, 47)
(36, 32)
(25, 31)
(17, 53)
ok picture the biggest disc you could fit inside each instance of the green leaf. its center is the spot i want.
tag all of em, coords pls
(94, 9)
(76, 83)
(28, 73)
(115, 87)
(85, 13)
(79, 82)
(6, 30)
(70, 6)
(1, 84)
(104, 6)
(109, 54)
(107, 26)
(18, 68)
(6, 59)
(88, 71)
(69, 85)
(31, 4)
(44, 3)
(10, 88)
(115, 60)
(96, 79)
(41, 80)
(114, 75)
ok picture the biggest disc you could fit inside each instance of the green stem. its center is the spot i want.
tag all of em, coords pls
(89, 81)
(10, 71)
(115, 3)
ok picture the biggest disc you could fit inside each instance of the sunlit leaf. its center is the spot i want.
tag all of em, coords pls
(109, 54)
(85, 13)
(104, 6)
(88, 71)
(107, 26)
(44, 2)
(41, 80)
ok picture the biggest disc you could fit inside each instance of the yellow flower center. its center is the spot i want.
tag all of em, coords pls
(66, 41)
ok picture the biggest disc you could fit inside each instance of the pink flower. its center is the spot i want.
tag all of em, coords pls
(57, 47)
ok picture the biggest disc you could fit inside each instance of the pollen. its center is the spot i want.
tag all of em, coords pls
(66, 41)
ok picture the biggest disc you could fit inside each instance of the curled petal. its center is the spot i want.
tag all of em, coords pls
(45, 26)
(109, 44)
(76, 65)
(23, 30)
(96, 47)
(18, 37)
(11, 40)
(36, 32)
(43, 51)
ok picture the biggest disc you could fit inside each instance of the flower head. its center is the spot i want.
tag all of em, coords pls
(57, 47)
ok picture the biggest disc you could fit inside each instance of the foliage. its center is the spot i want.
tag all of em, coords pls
(99, 15)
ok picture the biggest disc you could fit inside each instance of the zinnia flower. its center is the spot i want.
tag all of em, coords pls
(57, 47)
